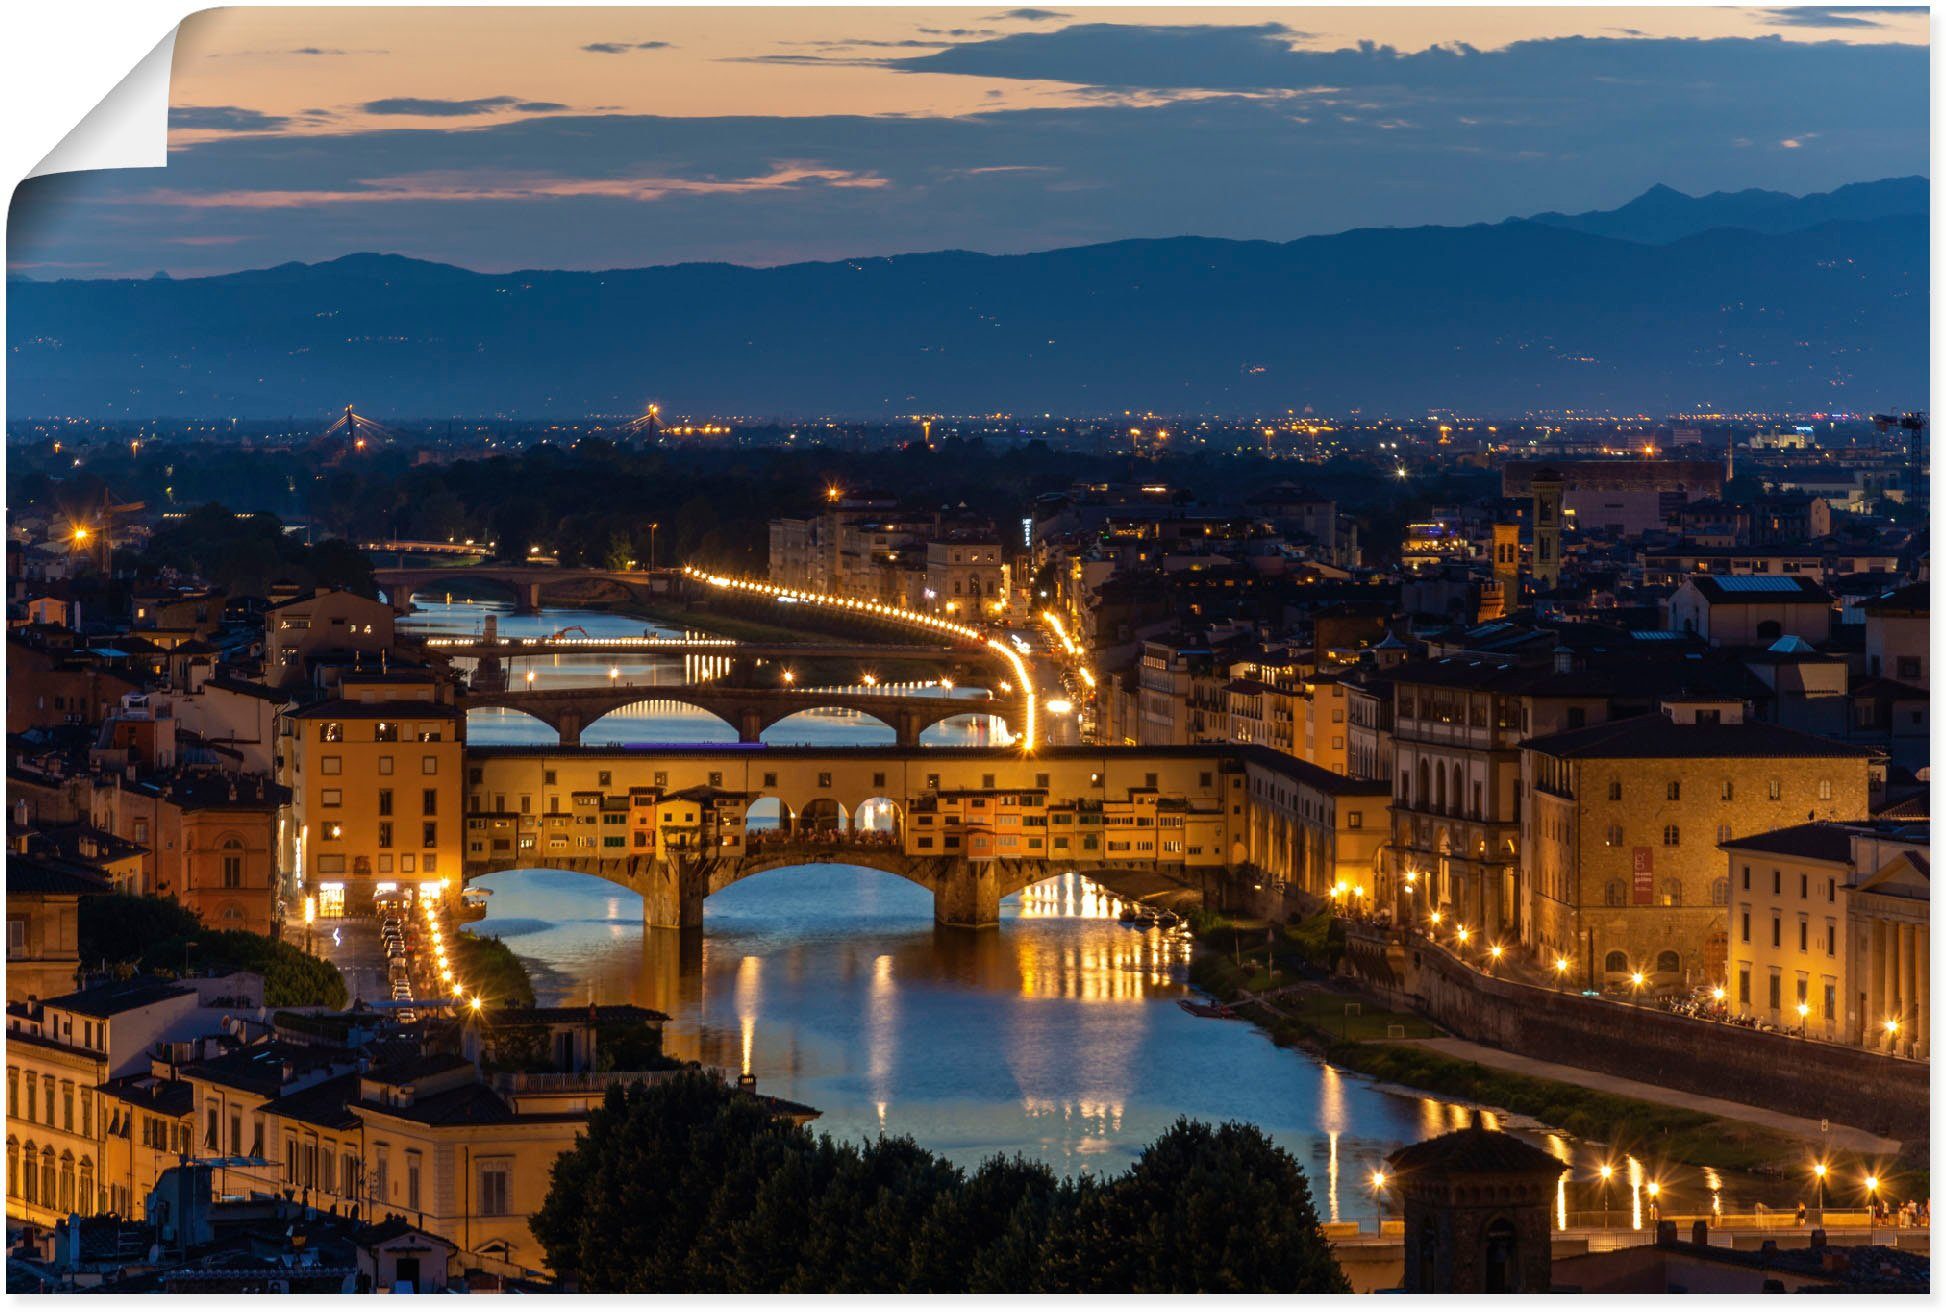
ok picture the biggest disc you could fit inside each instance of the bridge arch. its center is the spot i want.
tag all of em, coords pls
(707, 726)
(795, 727)
(460, 581)
(978, 728)
(509, 725)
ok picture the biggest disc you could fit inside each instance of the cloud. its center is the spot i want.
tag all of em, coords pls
(1832, 15)
(1313, 138)
(448, 187)
(623, 47)
(417, 106)
(224, 118)
(1027, 16)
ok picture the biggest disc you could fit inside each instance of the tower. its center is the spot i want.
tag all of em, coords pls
(1549, 489)
(1506, 561)
(1475, 1204)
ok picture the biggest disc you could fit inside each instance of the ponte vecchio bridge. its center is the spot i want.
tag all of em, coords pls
(971, 825)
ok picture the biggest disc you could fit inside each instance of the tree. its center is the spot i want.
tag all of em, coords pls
(691, 1186)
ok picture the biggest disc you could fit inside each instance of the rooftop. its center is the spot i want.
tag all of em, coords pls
(1657, 737)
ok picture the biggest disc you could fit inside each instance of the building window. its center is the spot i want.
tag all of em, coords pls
(1743, 985)
(385, 765)
(429, 801)
(1615, 963)
(1671, 836)
(1719, 892)
(429, 765)
(1614, 790)
(1616, 893)
(430, 834)
(331, 765)
(1776, 790)
(496, 1193)
(1824, 790)
(1675, 790)
(233, 872)
(1746, 927)
(1729, 789)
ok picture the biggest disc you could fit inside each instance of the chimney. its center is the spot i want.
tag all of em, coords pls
(1817, 1239)
(1699, 1233)
(1665, 1233)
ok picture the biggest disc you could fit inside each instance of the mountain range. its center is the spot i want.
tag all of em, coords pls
(1734, 301)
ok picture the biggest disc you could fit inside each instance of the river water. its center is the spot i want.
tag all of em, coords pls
(1057, 1036)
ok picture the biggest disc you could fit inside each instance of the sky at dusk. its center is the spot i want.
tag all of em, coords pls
(598, 138)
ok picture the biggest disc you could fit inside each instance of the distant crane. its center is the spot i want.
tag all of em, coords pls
(94, 528)
(1913, 424)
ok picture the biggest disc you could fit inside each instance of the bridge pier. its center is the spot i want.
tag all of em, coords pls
(750, 726)
(673, 893)
(527, 598)
(570, 726)
(967, 896)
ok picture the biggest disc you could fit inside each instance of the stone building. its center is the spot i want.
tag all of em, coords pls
(1622, 824)
(1830, 932)
(1476, 1213)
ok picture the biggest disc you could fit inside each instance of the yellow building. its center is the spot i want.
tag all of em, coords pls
(1830, 934)
(376, 786)
(60, 1055)
(1622, 825)
(43, 925)
(320, 624)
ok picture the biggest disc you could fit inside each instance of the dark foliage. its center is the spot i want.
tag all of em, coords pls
(690, 1186)
(156, 935)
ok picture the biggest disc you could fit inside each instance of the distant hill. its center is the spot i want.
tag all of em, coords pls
(1663, 214)
(1496, 319)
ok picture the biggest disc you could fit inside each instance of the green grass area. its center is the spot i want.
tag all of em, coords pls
(1237, 955)
(1649, 1131)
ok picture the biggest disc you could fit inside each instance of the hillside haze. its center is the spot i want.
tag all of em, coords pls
(1747, 300)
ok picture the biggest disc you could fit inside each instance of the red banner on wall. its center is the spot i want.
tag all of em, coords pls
(1644, 877)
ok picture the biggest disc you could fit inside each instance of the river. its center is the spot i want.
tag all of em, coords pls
(1057, 1036)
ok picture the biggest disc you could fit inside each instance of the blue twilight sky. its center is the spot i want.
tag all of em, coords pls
(600, 138)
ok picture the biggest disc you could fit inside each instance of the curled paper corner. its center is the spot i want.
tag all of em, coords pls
(129, 129)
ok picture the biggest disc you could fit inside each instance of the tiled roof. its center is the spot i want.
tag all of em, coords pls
(1475, 1150)
(1811, 842)
(1657, 737)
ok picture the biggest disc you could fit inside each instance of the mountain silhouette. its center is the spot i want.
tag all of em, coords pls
(1663, 214)
(1507, 318)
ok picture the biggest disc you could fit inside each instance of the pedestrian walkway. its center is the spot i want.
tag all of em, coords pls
(1838, 1136)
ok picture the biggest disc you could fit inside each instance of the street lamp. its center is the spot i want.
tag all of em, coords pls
(1636, 980)
(1820, 1170)
(1378, 1198)
(1496, 952)
(1655, 1205)
(1607, 1174)
(1803, 1020)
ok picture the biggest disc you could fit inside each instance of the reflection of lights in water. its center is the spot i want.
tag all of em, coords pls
(1559, 1149)
(1331, 1099)
(1126, 966)
(748, 998)
(880, 1031)
(1332, 1186)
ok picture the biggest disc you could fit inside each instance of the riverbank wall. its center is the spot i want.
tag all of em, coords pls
(1888, 1095)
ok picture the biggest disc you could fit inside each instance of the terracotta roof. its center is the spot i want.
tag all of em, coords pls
(1657, 737)
(1475, 1151)
(1811, 842)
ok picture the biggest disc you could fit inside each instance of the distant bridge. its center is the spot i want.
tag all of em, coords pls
(482, 648)
(750, 711)
(529, 583)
